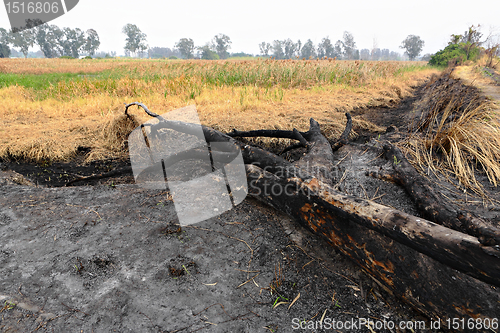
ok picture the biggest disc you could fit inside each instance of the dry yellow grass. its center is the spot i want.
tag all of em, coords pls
(51, 126)
(44, 66)
(460, 133)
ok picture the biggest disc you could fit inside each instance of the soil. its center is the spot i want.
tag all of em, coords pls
(107, 255)
(112, 258)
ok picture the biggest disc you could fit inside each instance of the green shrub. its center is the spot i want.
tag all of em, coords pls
(209, 55)
(173, 57)
(66, 57)
(454, 54)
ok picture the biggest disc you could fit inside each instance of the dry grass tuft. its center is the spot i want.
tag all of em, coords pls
(458, 134)
(116, 131)
(112, 139)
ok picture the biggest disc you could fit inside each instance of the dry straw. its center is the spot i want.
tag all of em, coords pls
(51, 122)
(458, 135)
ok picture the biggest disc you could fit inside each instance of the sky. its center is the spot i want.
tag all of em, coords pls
(383, 23)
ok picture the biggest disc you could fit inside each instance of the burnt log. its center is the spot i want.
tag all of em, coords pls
(413, 258)
(432, 205)
(441, 272)
(410, 257)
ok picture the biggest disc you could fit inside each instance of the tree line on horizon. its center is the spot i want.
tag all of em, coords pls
(56, 42)
(218, 48)
(136, 44)
(342, 49)
(52, 40)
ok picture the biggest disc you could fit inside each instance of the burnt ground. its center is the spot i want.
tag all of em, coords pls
(108, 255)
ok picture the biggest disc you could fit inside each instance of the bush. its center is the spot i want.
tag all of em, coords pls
(173, 57)
(209, 55)
(454, 54)
(66, 57)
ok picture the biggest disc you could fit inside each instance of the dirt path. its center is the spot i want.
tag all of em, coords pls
(488, 82)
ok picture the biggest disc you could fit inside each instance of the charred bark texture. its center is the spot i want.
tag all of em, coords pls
(411, 257)
(441, 272)
(397, 250)
(432, 205)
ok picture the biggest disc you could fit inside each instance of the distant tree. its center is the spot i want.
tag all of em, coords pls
(45, 40)
(349, 45)
(289, 48)
(163, 52)
(298, 48)
(364, 54)
(15, 53)
(136, 39)
(207, 53)
(471, 40)
(385, 54)
(413, 46)
(277, 48)
(4, 51)
(326, 49)
(186, 47)
(376, 54)
(23, 40)
(92, 42)
(308, 51)
(393, 55)
(426, 57)
(4, 43)
(265, 48)
(221, 44)
(338, 50)
(103, 54)
(74, 41)
(64, 43)
(59, 39)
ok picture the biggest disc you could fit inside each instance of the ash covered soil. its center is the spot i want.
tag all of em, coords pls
(110, 256)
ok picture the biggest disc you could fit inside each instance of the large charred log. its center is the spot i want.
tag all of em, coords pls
(430, 204)
(442, 272)
(396, 250)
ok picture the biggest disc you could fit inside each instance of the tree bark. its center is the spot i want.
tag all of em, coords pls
(442, 272)
(431, 204)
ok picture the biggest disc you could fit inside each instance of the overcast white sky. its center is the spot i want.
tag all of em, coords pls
(249, 23)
